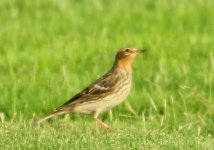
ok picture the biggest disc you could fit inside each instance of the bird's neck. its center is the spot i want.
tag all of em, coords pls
(123, 64)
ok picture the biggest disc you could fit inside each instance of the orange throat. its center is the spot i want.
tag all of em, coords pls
(125, 63)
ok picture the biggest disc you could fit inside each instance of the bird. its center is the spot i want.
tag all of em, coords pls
(104, 93)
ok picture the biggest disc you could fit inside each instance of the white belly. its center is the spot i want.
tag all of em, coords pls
(105, 103)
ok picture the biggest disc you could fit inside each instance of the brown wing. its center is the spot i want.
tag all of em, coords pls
(98, 88)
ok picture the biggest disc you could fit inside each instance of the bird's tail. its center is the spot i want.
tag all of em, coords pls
(56, 113)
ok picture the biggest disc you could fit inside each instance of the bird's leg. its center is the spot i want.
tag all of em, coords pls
(102, 124)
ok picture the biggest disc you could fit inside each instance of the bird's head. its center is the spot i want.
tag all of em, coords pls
(128, 53)
(125, 56)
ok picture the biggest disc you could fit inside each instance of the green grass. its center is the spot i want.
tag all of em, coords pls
(49, 50)
(83, 135)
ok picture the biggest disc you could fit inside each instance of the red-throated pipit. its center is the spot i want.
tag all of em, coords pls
(106, 92)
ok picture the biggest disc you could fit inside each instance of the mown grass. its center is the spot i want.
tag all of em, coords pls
(49, 50)
(84, 135)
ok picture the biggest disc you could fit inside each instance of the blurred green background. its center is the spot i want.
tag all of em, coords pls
(49, 50)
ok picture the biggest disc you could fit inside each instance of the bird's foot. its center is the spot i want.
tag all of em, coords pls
(103, 125)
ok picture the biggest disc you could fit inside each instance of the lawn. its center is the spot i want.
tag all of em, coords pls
(50, 50)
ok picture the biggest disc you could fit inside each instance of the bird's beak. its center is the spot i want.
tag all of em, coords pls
(141, 51)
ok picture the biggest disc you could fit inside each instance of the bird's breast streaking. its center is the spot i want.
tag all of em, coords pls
(119, 87)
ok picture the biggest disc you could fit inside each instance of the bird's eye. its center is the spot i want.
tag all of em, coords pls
(127, 50)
